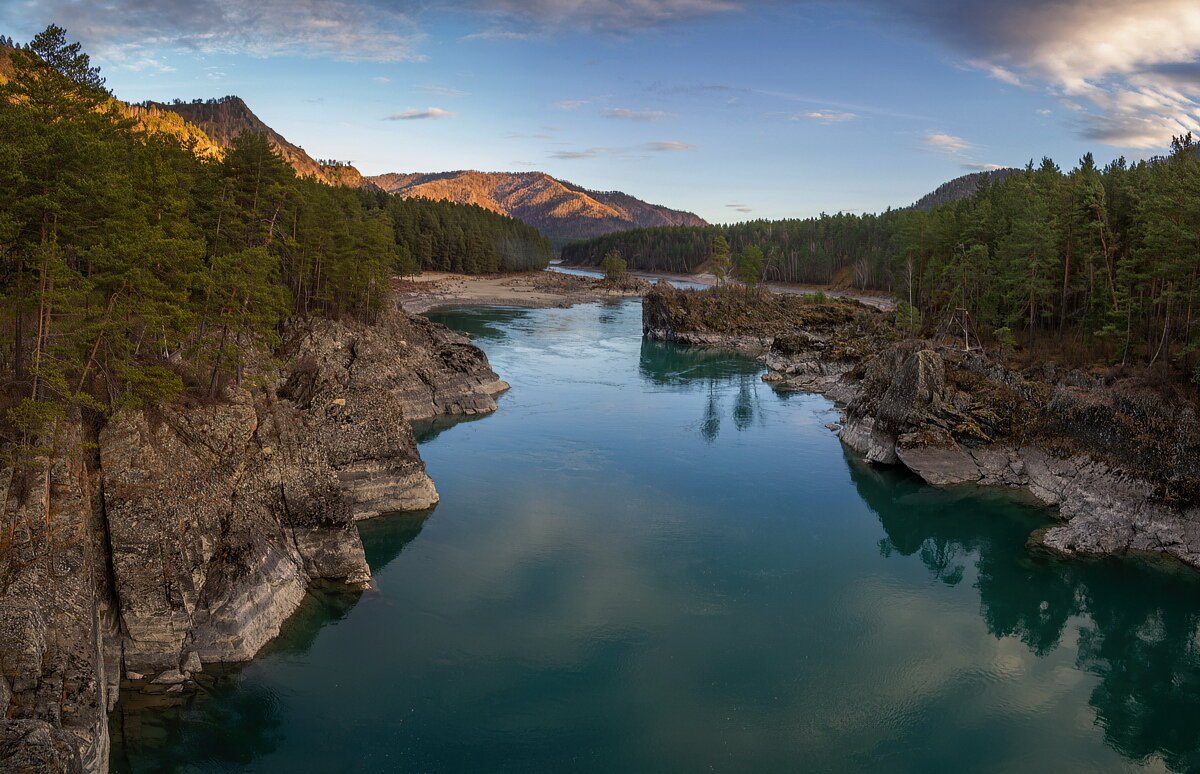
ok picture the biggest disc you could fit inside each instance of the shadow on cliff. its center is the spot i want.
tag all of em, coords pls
(1138, 623)
(229, 721)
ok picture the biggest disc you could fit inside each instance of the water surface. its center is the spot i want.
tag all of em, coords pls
(647, 561)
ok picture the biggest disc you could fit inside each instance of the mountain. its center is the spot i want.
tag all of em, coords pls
(224, 119)
(560, 210)
(959, 188)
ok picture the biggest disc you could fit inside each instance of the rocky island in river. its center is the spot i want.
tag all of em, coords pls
(1118, 456)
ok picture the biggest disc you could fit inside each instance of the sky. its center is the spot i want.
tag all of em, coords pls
(733, 109)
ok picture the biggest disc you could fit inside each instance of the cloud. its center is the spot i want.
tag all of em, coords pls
(1130, 66)
(571, 104)
(524, 17)
(824, 116)
(417, 114)
(668, 146)
(381, 79)
(660, 146)
(739, 207)
(589, 153)
(945, 143)
(119, 31)
(497, 35)
(983, 167)
(635, 115)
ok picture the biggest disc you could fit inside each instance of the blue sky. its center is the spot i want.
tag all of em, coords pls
(730, 108)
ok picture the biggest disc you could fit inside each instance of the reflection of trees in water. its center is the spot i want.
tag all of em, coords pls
(229, 720)
(1141, 635)
(685, 368)
(479, 322)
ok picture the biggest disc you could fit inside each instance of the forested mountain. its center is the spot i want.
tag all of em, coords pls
(959, 188)
(560, 210)
(1097, 263)
(224, 119)
(135, 268)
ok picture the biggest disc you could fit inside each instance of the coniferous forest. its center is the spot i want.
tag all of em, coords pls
(1097, 263)
(135, 268)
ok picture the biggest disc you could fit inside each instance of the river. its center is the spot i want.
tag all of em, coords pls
(648, 561)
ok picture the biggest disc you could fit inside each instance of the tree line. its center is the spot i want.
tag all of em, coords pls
(133, 269)
(1100, 264)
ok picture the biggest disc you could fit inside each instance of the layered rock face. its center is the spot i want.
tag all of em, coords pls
(188, 534)
(1120, 460)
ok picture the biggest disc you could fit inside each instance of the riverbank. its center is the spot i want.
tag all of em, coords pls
(874, 298)
(532, 290)
(142, 546)
(1117, 456)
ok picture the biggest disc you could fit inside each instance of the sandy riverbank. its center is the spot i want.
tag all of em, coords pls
(535, 289)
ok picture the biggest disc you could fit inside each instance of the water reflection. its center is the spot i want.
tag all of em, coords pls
(727, 377)
(231, 719)
(1137, 626)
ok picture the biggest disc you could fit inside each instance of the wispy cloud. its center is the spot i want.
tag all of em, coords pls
(945, 143)
(589, 153)
(124, 30)
(571, 104)
(739, 207)
(659, 146)
(381, 79)
(983, 167)
(824, 116)
(669, 146)
(495, 34)
(417, 114)
(442, 91)
(635, 115)
(597, 16)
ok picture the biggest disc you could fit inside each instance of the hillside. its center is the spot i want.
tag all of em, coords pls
(959, 188)
(560, 210)
(224, 119)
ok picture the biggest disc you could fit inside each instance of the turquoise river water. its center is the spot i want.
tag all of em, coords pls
(648, 561)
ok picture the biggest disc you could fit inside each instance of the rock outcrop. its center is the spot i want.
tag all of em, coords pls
(148, 545)
(1118, 459)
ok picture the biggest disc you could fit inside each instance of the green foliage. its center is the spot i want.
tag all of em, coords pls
(718, 257)
(444, 236)
(1006, 339)
(750, 265)
(614, 266)
(908, 318)
(1095, 261)
(131, 268)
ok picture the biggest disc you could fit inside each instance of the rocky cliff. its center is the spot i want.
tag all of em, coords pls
(136, 550)
(1118, 458)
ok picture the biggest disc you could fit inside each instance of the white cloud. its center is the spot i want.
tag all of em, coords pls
(824, 116)
(417, 114)
(945, 143)
(1128, 66)
(635, 115)
(571, 104)
(983, 167)
(660, 146)
(381, 79)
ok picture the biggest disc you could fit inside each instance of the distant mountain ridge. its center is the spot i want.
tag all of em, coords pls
(561, 210)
